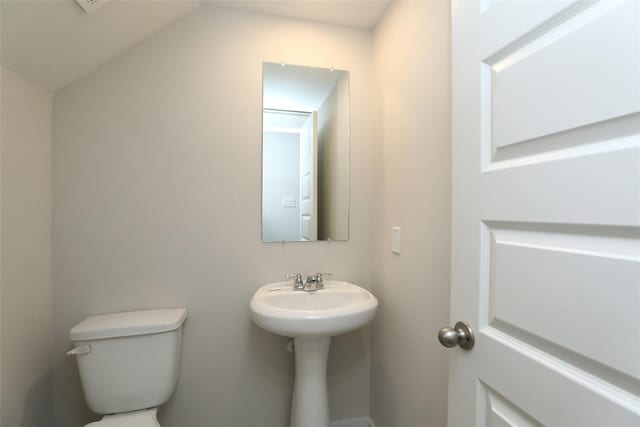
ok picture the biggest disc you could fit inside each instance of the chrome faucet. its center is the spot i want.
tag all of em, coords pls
(312, 283)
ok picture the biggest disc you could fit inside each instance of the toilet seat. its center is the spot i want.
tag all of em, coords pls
(144, 418)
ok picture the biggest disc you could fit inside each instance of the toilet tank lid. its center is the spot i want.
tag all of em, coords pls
(130, 323)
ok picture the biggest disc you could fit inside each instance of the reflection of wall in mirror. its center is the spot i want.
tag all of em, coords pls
(333, 163)
(280, 180)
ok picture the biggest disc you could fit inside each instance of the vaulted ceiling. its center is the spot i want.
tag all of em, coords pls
(54, 42)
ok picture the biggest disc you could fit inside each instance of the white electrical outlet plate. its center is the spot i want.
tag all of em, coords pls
(395, 240)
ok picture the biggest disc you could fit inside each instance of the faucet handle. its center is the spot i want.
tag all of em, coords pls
(319, 280)
(298, 282)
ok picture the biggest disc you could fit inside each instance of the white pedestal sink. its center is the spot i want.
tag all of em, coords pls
(311, 319)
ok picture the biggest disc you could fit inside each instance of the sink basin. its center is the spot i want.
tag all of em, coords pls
(311, 319)
(337, 308)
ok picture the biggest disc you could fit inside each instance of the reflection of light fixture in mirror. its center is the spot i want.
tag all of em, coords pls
(305, 153)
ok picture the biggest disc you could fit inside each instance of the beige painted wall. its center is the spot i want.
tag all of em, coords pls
(333, 141)
(26, 296)
(412, 63)
(156, 178)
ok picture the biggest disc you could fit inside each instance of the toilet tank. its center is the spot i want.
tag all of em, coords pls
(128, 361)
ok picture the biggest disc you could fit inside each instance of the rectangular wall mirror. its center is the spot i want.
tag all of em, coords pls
(305, 153)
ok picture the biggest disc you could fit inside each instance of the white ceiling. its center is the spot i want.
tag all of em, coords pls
(54, 42)
(362, 14)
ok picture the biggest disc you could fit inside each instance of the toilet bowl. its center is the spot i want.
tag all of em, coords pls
(128, 364)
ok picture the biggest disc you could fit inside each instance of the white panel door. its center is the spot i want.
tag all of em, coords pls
(309, 178)
(546, 213)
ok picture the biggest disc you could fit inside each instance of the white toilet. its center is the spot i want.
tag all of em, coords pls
(128, 364)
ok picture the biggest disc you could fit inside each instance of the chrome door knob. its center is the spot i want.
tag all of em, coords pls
(461, 335)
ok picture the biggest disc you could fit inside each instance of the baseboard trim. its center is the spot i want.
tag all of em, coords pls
(354, 422)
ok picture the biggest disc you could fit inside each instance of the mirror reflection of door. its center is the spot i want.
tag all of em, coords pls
(309, 178)
(282, 174)
(289, 169)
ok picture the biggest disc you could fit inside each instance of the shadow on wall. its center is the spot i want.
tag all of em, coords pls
(34, 413)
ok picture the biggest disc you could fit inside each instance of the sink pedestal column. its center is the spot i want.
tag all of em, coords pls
(310, 407)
